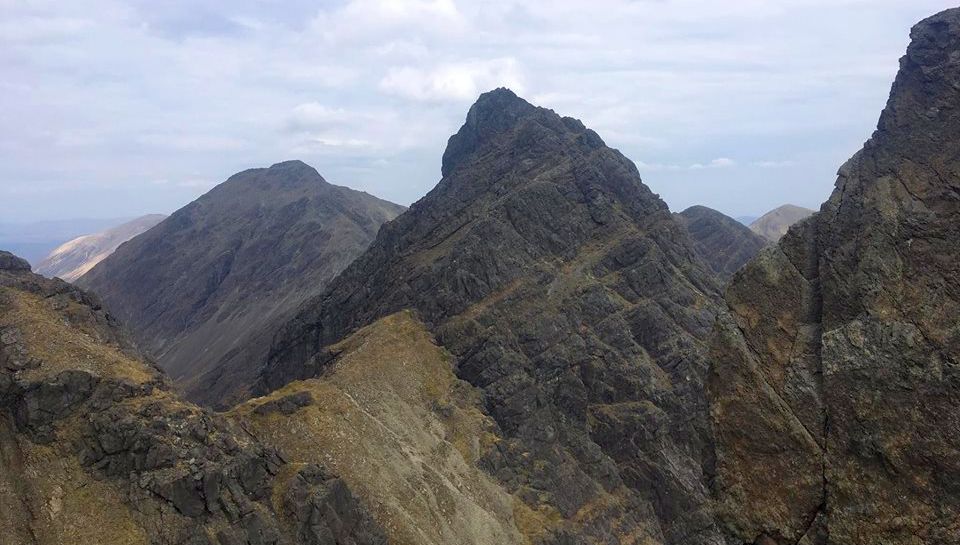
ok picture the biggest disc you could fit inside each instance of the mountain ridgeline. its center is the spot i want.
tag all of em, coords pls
(723, 242)
(202, 290)
(538, 352)
(835, 386)
(570, 296)
(96, 448)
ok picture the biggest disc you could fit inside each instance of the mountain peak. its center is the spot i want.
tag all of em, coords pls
(494, 112)
(923, 95)
(293, 165)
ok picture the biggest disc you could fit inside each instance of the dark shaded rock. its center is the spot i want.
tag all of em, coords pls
(568, 293)
(723, 242)
(326, 513)
(286, 405)
(202, 290)
(10, 262)
(835, 389)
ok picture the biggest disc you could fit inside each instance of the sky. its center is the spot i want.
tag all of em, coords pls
(118, 108)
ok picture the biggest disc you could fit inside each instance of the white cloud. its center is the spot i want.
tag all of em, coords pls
(773, 164)
(363, 20)
(453, 81)
(720, 162)
(369, 90)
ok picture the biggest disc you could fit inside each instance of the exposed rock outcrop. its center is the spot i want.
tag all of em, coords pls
(94, 448)
(573, 300)
(391, 418)
(835, 392)
(202, 291)
(723, 242)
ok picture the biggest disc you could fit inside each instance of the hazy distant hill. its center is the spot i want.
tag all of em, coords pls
(33, 241)
(774, 224)
(203, 289)
(73, 259)
(723, 242)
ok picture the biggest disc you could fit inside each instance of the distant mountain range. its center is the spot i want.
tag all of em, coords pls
(74, 258)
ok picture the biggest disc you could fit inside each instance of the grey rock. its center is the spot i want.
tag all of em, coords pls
(202, 290)
(835, 388)
(723, 242)
(568, 293)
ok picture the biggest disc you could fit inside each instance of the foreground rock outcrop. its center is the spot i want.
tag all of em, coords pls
(202, 290)
(835, 388)
(94, 448)
(74, 258)
(723, 242)
(391, 418)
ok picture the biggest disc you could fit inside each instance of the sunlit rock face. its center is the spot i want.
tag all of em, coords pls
(835, 387)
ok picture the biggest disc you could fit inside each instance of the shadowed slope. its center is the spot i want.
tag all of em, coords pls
(203, 290)
(723, 242)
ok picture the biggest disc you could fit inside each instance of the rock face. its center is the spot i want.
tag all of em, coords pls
(94, 447)
(835, 390)
(74, 258)
(723, 242)
(572, 300)
(774, 224)
(202, 290)
(391, 417)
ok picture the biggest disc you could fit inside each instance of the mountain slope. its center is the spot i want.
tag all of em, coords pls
(203, 289)
(95, 448)
(723, 242)
(835, 391)
(391, 417)
(74, 258)
(774, 224)
(572, 299)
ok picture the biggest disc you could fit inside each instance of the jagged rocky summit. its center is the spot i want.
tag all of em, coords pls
(835, 385)
(570, 296)
(538, 353)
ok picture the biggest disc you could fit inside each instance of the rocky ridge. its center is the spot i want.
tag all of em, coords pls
(836, 379)
(723, 242)
(572, 299)
(94, 447)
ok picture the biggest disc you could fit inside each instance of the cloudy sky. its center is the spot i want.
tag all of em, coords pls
(117, 108)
